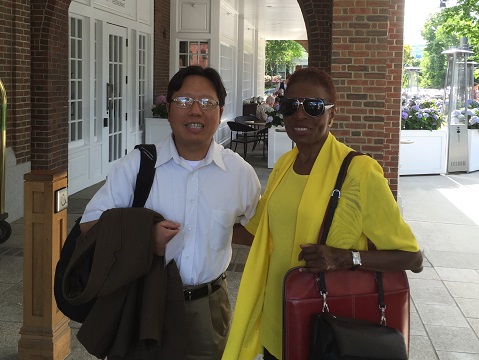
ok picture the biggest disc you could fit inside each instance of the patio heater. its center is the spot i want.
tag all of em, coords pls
(456, 93)
(413, 81)
(471, 67)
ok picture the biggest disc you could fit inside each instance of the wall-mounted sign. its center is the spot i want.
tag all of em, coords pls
(61, 199)
(123, 7)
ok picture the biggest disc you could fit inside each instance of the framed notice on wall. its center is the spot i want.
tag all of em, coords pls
(193, 52)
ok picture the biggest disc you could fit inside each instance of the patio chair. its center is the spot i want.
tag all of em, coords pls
(245, 134)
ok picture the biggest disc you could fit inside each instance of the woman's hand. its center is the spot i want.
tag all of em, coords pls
(323, 258)
(163, 232)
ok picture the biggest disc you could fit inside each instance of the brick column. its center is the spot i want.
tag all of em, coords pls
(45, 333)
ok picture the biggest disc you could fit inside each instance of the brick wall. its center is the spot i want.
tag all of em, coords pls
(15, 73)
(49, 90)
(360, 43)
(161, 67)
(392, 113)
(318, 18)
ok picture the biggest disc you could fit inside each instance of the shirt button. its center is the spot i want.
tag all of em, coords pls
(192, 201)
(189, 229)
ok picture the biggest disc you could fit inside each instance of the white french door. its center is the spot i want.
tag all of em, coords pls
(114, 75)
(110, 65)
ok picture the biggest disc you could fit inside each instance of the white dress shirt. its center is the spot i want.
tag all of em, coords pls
(207, 200)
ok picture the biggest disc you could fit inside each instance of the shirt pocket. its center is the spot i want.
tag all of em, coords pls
(221, 228)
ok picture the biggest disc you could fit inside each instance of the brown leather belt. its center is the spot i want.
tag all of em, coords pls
(203, 290)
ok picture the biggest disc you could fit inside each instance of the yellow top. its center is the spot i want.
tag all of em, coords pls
(367, 209)
(283, 210)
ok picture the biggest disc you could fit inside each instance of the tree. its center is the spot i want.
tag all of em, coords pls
(463, 20)
(443, 31)
(433, 63)
(281, 52)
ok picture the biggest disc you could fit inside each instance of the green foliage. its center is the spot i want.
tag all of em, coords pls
(281, 52)
(434, 63)
(442, 31)
(463, 20)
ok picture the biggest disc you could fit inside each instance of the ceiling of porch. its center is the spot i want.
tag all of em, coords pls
(275, 19)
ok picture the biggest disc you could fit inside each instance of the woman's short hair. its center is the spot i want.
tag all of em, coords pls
(211, 74)
(315, 76)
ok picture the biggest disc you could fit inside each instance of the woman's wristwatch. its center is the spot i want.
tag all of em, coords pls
(356, 259)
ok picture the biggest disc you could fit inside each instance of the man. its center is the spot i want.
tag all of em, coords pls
(203, 190)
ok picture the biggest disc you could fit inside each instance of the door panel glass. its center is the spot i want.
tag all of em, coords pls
(76, 80)
(115, 65)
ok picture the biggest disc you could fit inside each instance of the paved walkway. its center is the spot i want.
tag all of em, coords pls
(444, 214)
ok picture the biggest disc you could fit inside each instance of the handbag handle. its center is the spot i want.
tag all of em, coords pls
(324, 231)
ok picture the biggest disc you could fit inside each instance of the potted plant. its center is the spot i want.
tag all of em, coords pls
(422, 115)
(471, 116)
(157, 127)
(278, 140)
(423, 148)
(159, 107)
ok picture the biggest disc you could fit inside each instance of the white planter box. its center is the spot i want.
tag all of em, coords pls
(422, 152)
(278, 144)
(473, 149)
(156, 129)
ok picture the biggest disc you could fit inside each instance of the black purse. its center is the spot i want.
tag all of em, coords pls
(335, 338)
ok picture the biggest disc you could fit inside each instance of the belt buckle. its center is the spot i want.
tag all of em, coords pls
(189, 292)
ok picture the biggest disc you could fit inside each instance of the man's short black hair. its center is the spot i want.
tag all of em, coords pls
(211, 74)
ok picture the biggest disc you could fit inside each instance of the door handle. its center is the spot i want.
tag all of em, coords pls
(109, 95)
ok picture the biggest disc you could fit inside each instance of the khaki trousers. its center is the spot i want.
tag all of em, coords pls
(208, 321)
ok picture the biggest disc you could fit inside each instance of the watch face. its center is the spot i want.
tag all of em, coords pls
(356, 258)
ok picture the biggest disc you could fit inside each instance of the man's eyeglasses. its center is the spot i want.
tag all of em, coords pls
(313, 107)
(185, 102)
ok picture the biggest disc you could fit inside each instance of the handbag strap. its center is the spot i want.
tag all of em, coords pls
(334, 199)
(324, 231)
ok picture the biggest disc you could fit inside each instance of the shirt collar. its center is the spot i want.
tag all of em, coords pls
(166, 151)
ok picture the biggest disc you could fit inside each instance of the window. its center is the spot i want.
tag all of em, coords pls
(141, 79)
(193, 53)
(76, 80)
(227, 73)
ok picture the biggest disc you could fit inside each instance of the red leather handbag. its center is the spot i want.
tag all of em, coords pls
(350, 294)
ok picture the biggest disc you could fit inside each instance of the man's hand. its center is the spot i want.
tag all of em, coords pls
(163, 232)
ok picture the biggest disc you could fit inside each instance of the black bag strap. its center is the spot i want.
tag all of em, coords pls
(324, 231)
(334, 199)
(144, 181)
(146, 174)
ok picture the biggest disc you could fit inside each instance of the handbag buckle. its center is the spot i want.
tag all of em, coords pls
(383, 314)
(325, 304)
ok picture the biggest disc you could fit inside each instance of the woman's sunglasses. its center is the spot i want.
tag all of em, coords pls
(313, 107)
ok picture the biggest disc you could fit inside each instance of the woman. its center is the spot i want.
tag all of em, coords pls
(290, 213)
(262, 109)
